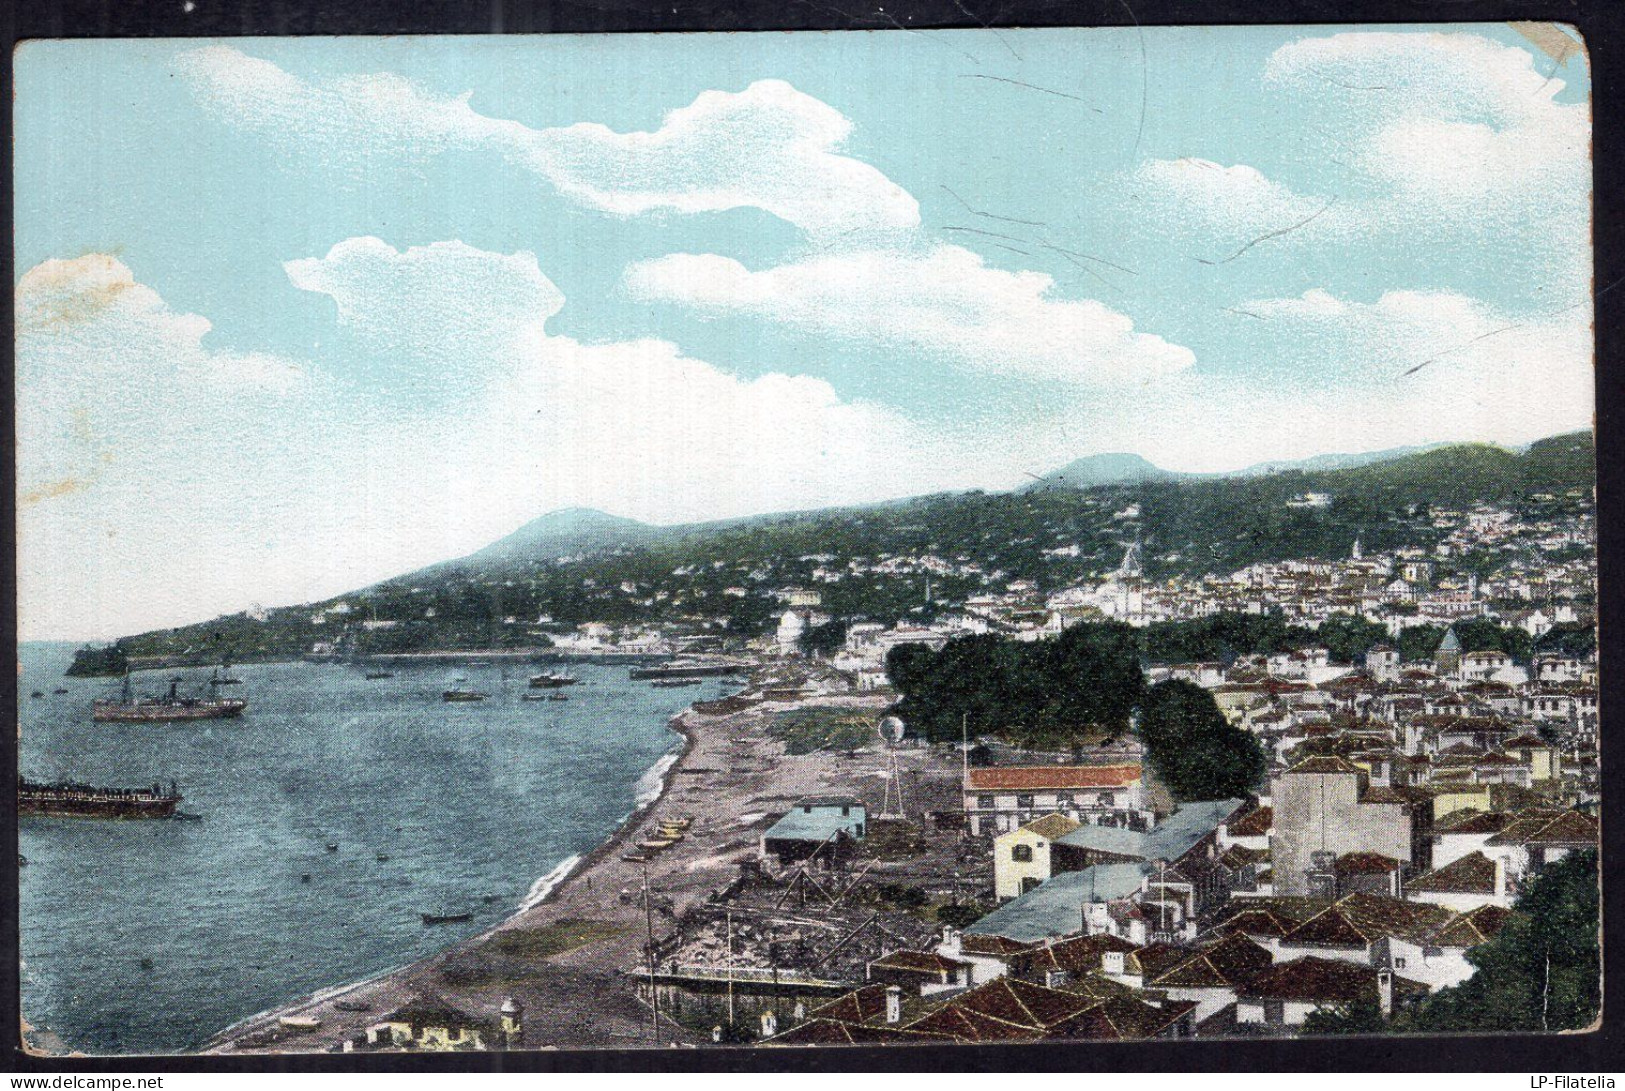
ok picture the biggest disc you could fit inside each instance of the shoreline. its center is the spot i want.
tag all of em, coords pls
(728, 774)
(581, 864)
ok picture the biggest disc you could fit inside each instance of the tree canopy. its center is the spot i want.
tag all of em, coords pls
(1085, 683)
(825, 639)
(1194, 749)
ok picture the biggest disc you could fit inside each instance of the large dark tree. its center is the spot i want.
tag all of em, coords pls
(1347, 637)
(1048, 693)
(1193, 748)
(825, 639)
(1088, 677)
(908, 666)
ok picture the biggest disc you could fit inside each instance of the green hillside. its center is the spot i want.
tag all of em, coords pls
(697, 573)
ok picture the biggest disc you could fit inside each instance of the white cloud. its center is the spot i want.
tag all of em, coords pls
(769, 146)
(1449, 121)
(1228, 205)
(160, 485)
(942, 303)
(1445, 138)
(136, 445)
(1480, 375)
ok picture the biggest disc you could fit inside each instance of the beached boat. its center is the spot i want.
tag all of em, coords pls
(351, 1005)
(300, 1022)
(656, 844)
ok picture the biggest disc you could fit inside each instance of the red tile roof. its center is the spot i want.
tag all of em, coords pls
(1325, 765)
(1255, 823)
(1322, 980)
(1568, 828)
(828, 1032)
(927, 962)
(1472, 928)
(1470, 874)
(1027, 778)
(1366, 863)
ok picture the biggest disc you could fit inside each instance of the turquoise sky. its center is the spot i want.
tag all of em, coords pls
(1210, 246)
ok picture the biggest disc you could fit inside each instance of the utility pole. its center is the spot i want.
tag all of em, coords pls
(649, 922)
(730, 914)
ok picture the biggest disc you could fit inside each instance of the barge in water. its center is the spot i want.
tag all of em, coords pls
(690, 668)
(65, 800)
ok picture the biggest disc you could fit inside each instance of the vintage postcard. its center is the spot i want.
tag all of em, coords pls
(905, 538)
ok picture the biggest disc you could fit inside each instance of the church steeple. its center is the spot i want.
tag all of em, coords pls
(1447, 659)
(1356, 553)
(1131, 569)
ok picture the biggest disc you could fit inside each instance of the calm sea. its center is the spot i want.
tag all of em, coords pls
(148, 937)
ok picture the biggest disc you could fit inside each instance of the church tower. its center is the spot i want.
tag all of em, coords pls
(1447, 659)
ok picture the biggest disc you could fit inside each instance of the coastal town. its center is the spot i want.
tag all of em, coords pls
(820, 871)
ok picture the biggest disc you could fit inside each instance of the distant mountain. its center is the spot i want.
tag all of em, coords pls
(1331, 462)
(564, 533)
(1098, 471)
(1095, 471)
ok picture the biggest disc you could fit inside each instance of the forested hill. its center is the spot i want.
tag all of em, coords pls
(584, 566)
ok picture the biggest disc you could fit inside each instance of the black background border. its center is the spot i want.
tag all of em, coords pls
(1602, 24)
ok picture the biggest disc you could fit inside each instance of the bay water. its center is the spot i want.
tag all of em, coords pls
(151, 936)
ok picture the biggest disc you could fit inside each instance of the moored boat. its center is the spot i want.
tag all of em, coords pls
(170, 707)
(446, 918)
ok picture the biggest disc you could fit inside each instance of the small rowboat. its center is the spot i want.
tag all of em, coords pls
(656, 844)
(446, 918)
(300, 1022)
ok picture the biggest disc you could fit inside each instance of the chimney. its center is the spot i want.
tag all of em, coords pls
(1385, 991)
(894, 1004)
(770, 1023)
